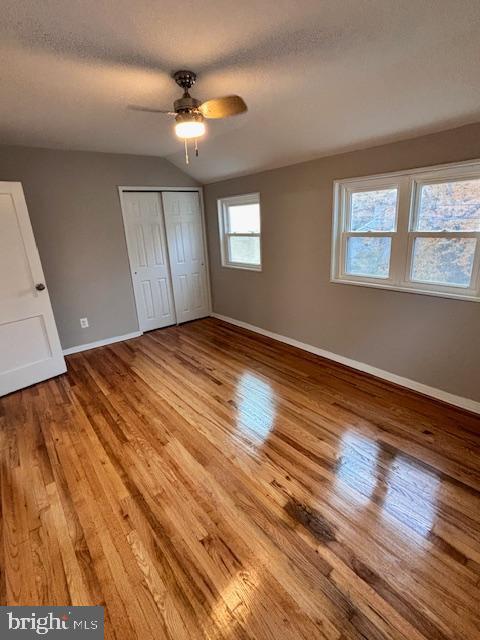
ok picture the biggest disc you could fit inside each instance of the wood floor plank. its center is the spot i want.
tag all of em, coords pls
(205, 482)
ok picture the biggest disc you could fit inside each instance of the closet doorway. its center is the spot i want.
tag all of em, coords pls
(165, 238)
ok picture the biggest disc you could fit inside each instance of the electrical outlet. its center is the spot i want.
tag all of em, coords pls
(84, 323)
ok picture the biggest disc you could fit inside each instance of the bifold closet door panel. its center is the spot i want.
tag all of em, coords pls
(183, 222)
(148, 255)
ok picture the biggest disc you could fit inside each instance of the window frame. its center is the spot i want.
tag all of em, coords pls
(223, 205)
(409, 184)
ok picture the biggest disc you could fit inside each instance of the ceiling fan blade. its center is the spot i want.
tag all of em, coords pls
(135, 107)
(223, 107)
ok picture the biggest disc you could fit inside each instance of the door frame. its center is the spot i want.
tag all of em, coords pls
(123, 189)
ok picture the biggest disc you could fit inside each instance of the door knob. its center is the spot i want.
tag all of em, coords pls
(40, 286)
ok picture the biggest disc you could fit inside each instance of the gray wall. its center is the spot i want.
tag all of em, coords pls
(74, 207)
(432, 340)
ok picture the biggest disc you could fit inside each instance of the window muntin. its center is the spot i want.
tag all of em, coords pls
(423, 225)
(240, 231)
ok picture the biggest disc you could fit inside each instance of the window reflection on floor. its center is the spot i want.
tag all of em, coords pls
(378, 472)
(357, 465)
(256, 405)
(412, 494)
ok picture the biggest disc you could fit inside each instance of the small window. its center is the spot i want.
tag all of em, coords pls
(416, 231)
(239, 224)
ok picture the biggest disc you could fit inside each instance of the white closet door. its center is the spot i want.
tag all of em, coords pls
(148, 254)
(30, 350)
(183, 221)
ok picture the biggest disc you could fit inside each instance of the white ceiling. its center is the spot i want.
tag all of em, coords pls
(319, 76)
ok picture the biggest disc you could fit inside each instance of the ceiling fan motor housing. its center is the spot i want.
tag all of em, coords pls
(186, 104)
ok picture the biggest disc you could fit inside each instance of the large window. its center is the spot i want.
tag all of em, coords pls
(239, 224)
(416, 231)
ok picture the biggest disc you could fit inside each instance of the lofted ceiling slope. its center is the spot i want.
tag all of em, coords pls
(319, 77)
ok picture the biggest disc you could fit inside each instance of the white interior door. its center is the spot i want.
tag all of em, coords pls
(183, 221)
(148, 254)
(30, 350)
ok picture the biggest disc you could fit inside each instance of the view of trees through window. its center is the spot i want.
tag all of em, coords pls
(448, 207)
(371, 211)
(444, 260)
(374, 210)
(244, 249)
(368, 257)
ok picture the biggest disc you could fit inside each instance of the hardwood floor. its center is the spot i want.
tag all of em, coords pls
(207, 482)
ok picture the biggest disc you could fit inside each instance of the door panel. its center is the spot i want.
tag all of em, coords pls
(148, 305)
(165, 308)
(30, 350)
(158, 246)
(12, 252)
(141, 257)
(183, 222)
(24, 342)
(148, 254)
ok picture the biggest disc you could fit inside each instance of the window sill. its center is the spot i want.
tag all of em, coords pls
(242, 267)
(392, 287)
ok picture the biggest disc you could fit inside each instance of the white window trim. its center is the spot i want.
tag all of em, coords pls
(223, 204)
(408, 184)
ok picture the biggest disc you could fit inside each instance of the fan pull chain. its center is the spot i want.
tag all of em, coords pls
(196, 148)
(186, 152)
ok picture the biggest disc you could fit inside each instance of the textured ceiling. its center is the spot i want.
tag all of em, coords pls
(319, 76)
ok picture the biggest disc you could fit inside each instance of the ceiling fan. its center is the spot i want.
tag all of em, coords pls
(190, 113)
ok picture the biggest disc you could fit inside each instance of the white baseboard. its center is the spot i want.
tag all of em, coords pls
(438, 394)
(101, 343)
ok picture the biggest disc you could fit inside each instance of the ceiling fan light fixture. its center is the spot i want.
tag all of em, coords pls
(190, 113)
(189, 126)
